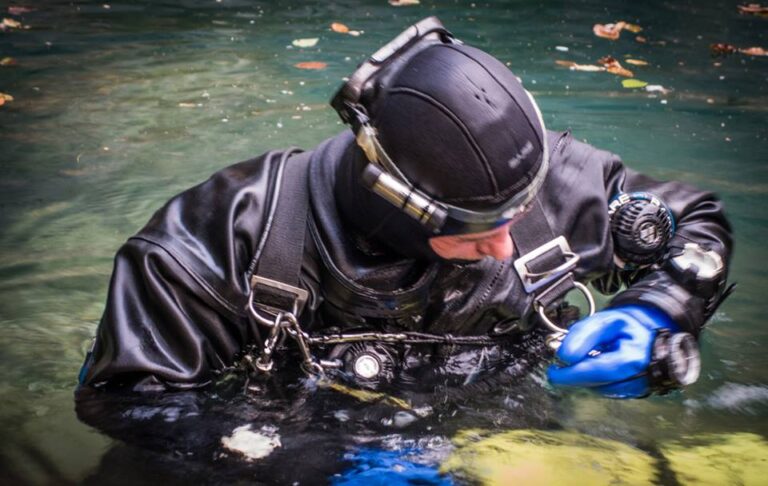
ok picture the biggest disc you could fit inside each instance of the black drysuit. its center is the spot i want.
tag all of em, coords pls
(176, 310)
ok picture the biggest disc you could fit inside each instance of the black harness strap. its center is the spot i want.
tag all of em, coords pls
(545, 262)
(275, 283)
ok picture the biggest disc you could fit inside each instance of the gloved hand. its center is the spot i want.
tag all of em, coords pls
(624, 338)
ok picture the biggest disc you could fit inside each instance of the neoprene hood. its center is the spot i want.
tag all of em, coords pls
(451, 137)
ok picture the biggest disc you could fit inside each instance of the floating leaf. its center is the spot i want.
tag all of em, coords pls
(403, 3)
(10, 24)
(754, 51)
(656, 88)
(5, 97)
(187, 105)
(8, 61)
(15, 10)
(614, 67)
(636, 62)
(753, 9)
(721, 49)
(608, 31)
(641, 39)
(311, 65)
(305, 42)
(355, 33)
(340, 28)
(580, 67)
(634, 83)
(633, 28)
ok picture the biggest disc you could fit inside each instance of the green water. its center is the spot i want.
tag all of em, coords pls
(117, 109)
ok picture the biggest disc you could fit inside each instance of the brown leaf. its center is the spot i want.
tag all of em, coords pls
(634, 28)
(636, 62)
(721, 49)
(5, 97)
(311, 65)
(608, 31)
(614, 67)
(753, 8)
(10, 24)
(580, 67)
(340, 28)
(8, 61)
(754, 51)
(16, 10)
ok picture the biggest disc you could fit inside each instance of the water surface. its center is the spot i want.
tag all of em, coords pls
(116, 109)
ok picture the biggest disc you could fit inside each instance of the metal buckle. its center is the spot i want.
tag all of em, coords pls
(533, 281)
(300, 299)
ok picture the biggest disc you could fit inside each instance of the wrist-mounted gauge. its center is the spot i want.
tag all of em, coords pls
(697, 269)
(641, 225)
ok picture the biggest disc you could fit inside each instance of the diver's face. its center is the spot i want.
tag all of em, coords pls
(496, 243)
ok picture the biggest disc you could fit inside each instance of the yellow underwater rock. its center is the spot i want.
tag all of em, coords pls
(547, 457)
(740, 458)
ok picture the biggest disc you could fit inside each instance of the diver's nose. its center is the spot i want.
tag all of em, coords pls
(498, 246)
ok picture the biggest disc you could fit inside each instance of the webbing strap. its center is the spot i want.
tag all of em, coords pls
(283, 251)
(544, 261)
(532, 230)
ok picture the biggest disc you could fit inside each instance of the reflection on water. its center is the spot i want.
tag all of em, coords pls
(116, 109)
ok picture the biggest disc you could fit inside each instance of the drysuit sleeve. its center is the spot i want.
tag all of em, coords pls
(699, 219)
(582, 182)
(175, 312)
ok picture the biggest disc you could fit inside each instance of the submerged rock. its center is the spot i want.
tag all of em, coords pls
(547, 457)
(740, 458)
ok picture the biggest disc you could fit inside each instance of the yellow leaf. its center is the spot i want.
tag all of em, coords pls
(636, 62)
(340, 28)
(368, 396)
(7, 61)
(6, 97)
(634, 83)
(403, 3)
(632, 28)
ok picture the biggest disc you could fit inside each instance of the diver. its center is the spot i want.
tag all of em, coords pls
(448, 218)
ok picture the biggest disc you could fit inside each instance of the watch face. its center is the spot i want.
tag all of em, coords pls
(708, 263)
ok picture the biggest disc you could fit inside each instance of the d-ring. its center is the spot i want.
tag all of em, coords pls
(590, 301)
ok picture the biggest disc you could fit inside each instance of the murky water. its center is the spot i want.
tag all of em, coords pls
(119, 106)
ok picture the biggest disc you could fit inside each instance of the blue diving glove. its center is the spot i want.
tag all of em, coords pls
(624, 340)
